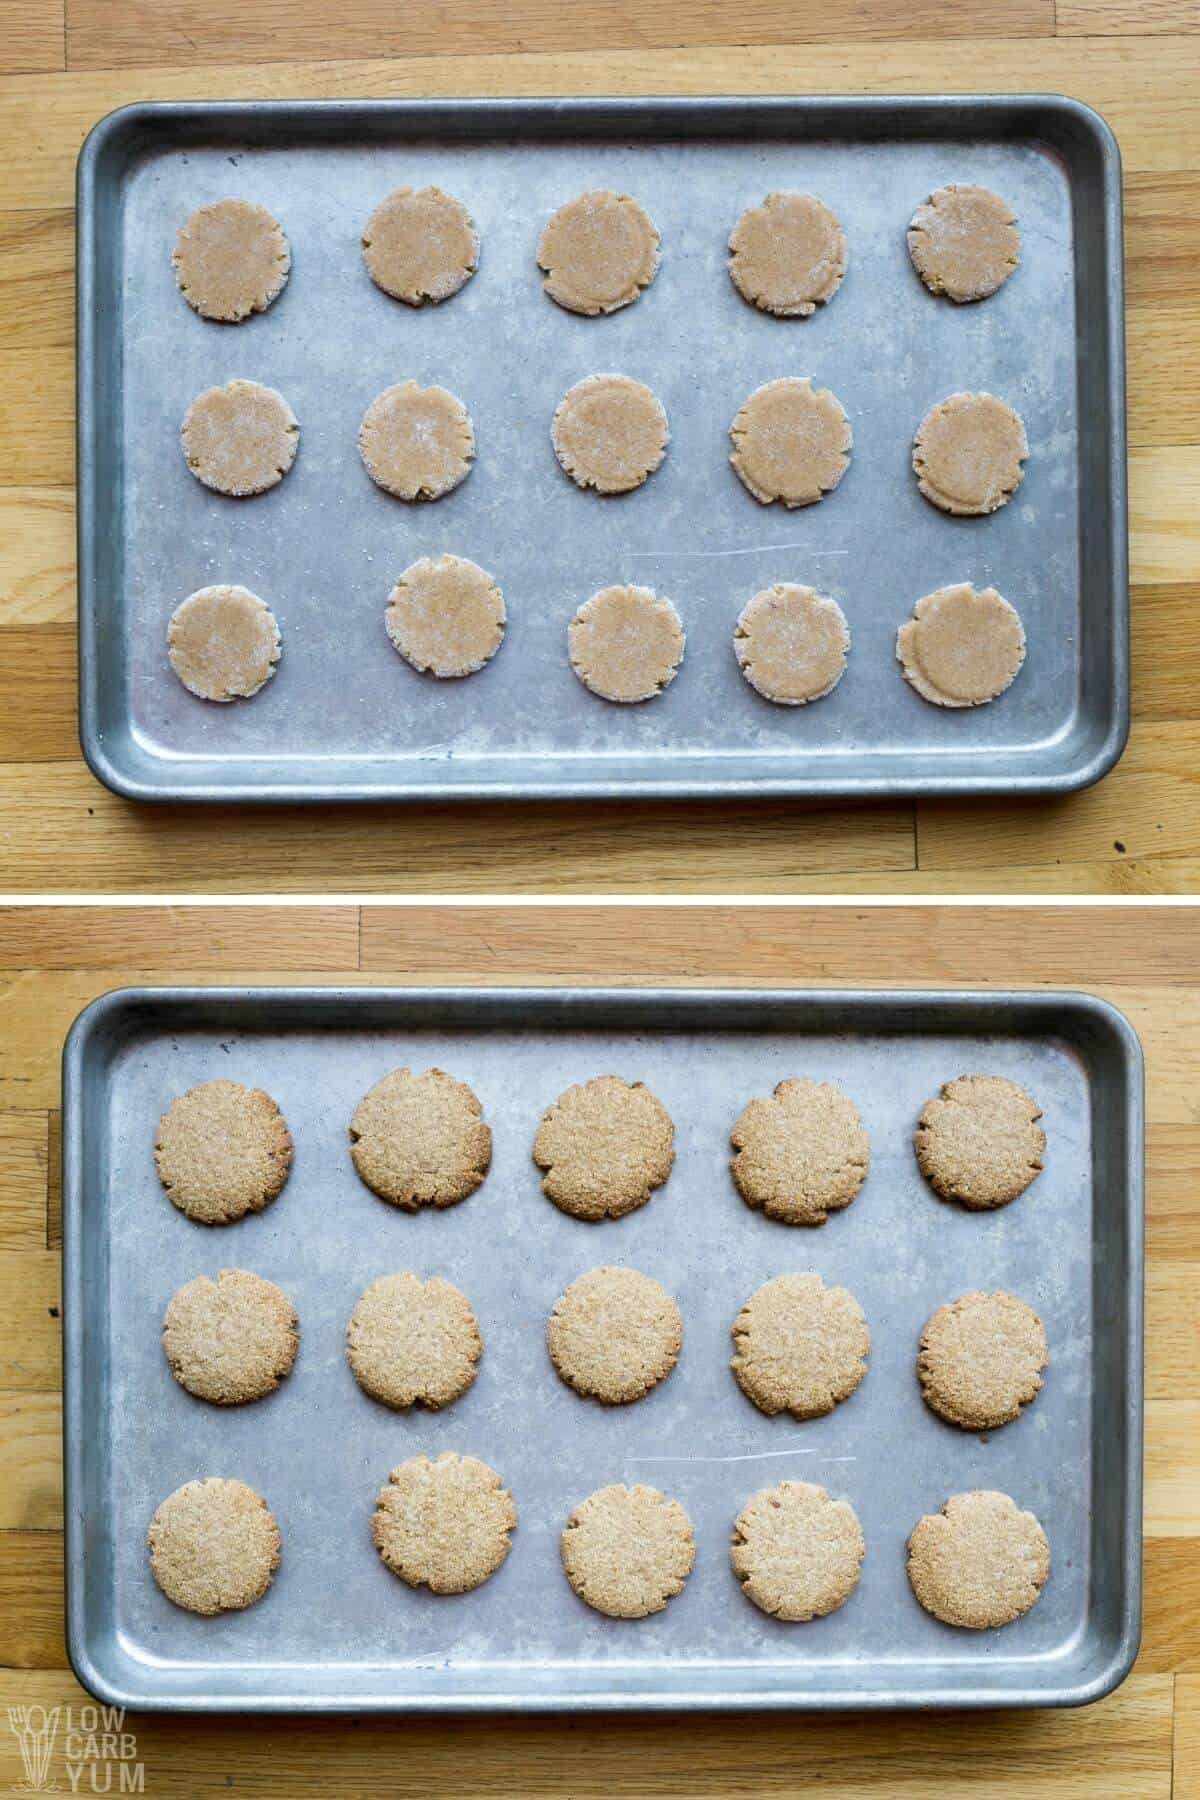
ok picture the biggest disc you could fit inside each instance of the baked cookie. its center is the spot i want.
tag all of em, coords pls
(609, 433)
(240, 439)
(446, 616)
(791, 442)
(626, 643)
(791, 643)
(223, 643)
(420, 244)
(796, 1552)
(221, 1151)
(420, 1140)
(411, 1341)
(627, 1551)
(968, 453)
(605, 1145)
(964, 242)
(979, 1562)
(799, 1346)
(961, 648)
(979, 1142)
(981, 1360)
(230, 1340)
(598, 252)
(231, 259)
(788, 255)
(417, 443)
(614, 1334)
(445, 1525)
(801, 1154)
(214, 1546)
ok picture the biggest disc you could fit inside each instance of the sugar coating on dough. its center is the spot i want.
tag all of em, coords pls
(979, 1142)
(214, 1546)
(799, 1346)
(788, 255)
(605, 1145)
(791, 442)
(417, 443)
(981, 1359)
(627, 1551)
(221, 1151)
(411, 1341)
(231, 259)
(446, 616)
(968, 453)
(626, 643)
(964, 242)
(800, 1154)
(609, 433)
(445, 1525)
(239, 439)
(961, 648)
(598, 252)
(614, 1334)
(791, 643)
(796, 1552)
(979, 1562)
(231, 1340)
(420, 244)
(420, 1140)
(223, 643)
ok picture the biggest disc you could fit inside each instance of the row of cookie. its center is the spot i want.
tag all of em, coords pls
(447, 1525)
(446, 617)
(598, 251)
(604, 1146)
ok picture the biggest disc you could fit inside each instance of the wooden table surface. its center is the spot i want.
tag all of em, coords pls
(1147, 961)
(1136, 60)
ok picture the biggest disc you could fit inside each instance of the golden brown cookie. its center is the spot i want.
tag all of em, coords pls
(968, 453)
(979, 1562)
(444, 1525)
(791, 643)
(411, 1341)
(605, 1145)
(417, 443)
(420, 1140)
(788, 255)
(799, 1346)
(614, 1334)
(214, 1546)
(796, 1552)
(791, 442)
(979, 1142)
(981, 1360)
(223, 643)
(609, 433)
(964, 242)
(230, 1340)
(627, 1551)
(221, 1151)
(801, 1154)
(420, 244)
(231, 259)
(240, 439)
(626, 643)
(598, 251)
(961, 648)
(446, 616)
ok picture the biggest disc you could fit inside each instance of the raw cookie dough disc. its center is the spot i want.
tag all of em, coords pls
(411, 1341)
(981, 1360)
(420, 1140)
(231, 259)
(446, 616)
(968, 452)
(981, 1561)
(417, 443)
(609, 433)
(799, 1346)
(599, 251)
(230, 1340)
(961, 648)
(239, 439)
(791, 643)
(796, 1552)
(626, 1551)
(789, 255)
(605, 1145)
(444, 1525)
(420, 244)
(964, 242)
(214, 1546)
(979, 1142)
(626, 643)
(791, 442)
(223, 643)
(614, 1334)
(801, 1154)
(221, 1151)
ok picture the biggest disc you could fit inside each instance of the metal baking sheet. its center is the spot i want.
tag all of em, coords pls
(344, 717)
(337, 1630)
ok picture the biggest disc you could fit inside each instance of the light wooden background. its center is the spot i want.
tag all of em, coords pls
(1137, 60)
(1145, 960)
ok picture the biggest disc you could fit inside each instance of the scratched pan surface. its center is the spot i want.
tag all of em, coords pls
(337, 1630)
(344, 717)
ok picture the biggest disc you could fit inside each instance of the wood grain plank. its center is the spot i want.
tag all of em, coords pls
(37, 417)
(31, 1600)
(30, 1322)
(37, 278)
(54, 1180)
(1125, 18)
(1171, 1606)
(1186, 1760)
(1172, 1331)
(32, 35)
(1165, 651)
(1172, 1469)
(1172, 1193)
(37, 693)
(169, 938)
(1162, 235)
(37, 555)
(1164, 526)
(30, 1462)
(24, 1152)
(1162, 345)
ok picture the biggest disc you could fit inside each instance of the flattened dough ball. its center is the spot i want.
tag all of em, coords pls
(979, 1142)
(796, 1552)
(598, 251)
(417, 443)
(231, 1340)
(981, 1360)
(444, 1525)
(799, 1346)
(627, 1551)
(979, 1562)
(968, 453)
(223, 643)
(791, 442)
(214, 1546)
(626, 643)
(446, 616)
(791, 643)
(961, 648)
(420, 1140)
(609, 433)
(411, 1341)
(964, 242)
(239, 439)
(231, 259)
(788, 255)
(605, 1145)
(420, 244)
(222, 1151)
(614, 1334)
(800, 1154)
